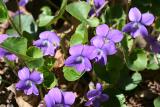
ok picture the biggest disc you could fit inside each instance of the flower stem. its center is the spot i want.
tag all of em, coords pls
(100, 9)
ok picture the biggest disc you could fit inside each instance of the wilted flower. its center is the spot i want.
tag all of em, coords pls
(106, 38)
(28, 81)
(80, 57)
(23, 2)
(48, 42)
(96, 5)
(154, 44)
(138, 22)
(95, 96)
(58, 98)
(5, 53)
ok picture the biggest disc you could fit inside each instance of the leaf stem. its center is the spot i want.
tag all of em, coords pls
(14, 26)
(19, 16)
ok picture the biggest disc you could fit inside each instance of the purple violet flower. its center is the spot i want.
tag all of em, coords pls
(138, 22)
(8, 55)
(23, 2)
(28, 81)
(48, 42)
(3, 37)
(104, 41)
(80, 57)
(95, 96)
(100, 52)
(96, 5)
(58, 98)
(5, 53)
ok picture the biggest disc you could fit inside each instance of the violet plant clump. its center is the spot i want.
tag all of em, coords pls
(59, 98)
(28, 81)
(63, 45)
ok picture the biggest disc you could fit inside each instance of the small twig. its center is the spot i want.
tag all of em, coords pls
(123, 52)
(75, 86)
(100, 9)
(156, 59)
(41, 93)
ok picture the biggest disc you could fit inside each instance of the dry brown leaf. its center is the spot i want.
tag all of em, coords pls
(21, 103)
(12, 88)
(59, 56)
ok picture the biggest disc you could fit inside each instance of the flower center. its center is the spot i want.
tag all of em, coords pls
(45, 43)
(59, 105)
(99, 52)
(106, 40)
(29, 83)
(136, 25)
(79, 59)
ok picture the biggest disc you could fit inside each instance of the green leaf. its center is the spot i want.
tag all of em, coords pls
(80, 36)
(34, 62)
(50, 80)
(44, 20)
(115, 16)
(3, 12)
(11, 32)
(111, 72)
(122, 100)
(45, 17)
(114, 66)
(49, 62)
(93, 22)
(137, 60)
(157, 102)
(127, 43)
(152, 65)
(27, 23)
(115, 63)
(71, 74)
(61, 12)
(34, 52)
(46, 10)
(101, 71)
(16, 45)
(79, 10)
(132, 83)
(36, 59)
